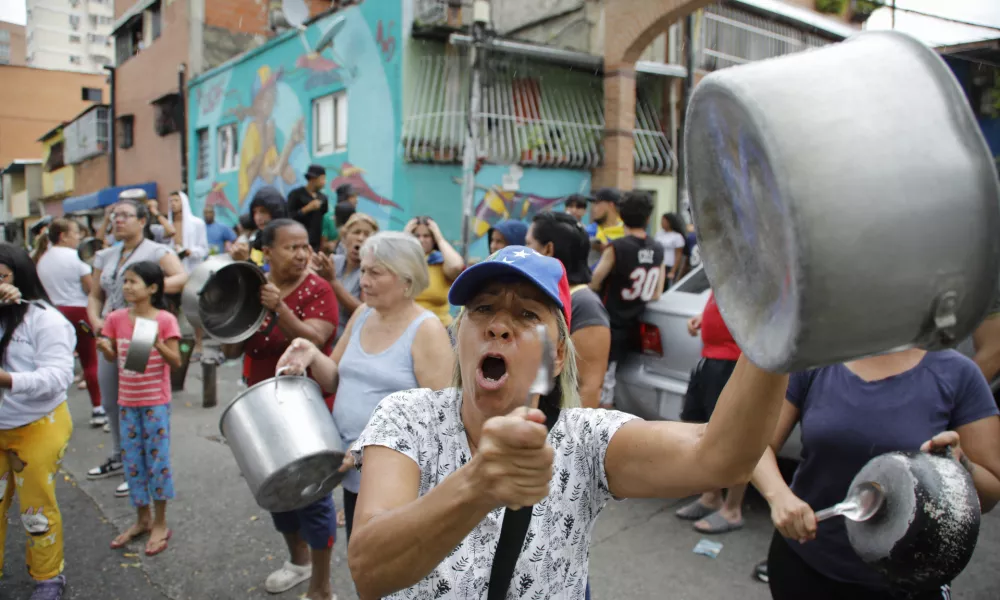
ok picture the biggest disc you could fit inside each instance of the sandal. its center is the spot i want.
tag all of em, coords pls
(695, 511)
(129, 535)
(163, 544)
(715, 523)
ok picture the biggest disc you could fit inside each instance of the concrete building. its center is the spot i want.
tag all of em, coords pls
(27, 113)
(75, 159)
(69, 35)
(12, 44)
(158, 46)
(20, 190)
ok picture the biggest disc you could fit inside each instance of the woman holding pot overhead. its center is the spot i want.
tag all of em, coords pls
(390, 344)
(36, 369)
(306, 308)
(444, 263)
(438, 467)
(850, 413)
(130, 218)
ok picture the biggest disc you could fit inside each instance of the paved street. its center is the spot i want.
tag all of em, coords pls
(224, 545)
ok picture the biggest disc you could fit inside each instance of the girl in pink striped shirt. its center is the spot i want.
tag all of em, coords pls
(144, 403)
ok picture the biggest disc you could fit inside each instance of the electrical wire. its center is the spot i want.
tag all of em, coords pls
(939, 17)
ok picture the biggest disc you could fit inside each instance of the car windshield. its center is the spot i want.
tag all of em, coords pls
(695, 283)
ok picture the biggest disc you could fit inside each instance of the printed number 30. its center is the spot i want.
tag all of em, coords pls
(644, 283)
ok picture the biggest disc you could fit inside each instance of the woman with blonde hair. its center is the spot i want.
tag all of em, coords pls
(390, 344)
(343, 271)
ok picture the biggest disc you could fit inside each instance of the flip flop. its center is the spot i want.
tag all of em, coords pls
(116, 546)
(718, 524)
(163, 545)
(695, 511)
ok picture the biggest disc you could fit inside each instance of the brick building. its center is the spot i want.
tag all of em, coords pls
(159, 45)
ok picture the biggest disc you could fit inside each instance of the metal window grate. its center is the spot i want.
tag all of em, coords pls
(732, 37)
(530, 114)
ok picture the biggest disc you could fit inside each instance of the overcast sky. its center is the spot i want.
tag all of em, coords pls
(931, 31)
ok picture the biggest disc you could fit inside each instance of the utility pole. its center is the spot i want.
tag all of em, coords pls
(480, 25)
(892, 12)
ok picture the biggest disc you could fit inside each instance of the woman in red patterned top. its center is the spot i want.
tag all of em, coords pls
(719, 353)
(306, 307)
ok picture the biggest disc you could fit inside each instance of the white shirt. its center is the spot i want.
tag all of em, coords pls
(670, 240)
(40, 362)
(426, 426)
(60, 270)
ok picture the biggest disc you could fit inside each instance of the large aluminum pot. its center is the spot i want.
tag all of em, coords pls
(285, 442)
(222, 296)
(845, 200)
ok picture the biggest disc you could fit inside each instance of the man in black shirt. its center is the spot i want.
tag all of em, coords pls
(308, 205)
(629, 275)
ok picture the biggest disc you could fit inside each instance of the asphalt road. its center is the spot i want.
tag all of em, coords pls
(224, 546)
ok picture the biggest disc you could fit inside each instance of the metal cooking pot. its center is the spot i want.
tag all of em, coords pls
(924, 534)
(845, 200)
(88, 248)
(222, 296)
(285, 442)
(141, 345)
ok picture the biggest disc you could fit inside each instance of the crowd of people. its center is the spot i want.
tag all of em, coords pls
(454, 489)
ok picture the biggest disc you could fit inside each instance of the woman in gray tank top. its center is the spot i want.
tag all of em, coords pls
(129, 218)
(389, 345)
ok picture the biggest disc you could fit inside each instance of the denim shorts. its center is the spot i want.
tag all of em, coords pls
(316, 523)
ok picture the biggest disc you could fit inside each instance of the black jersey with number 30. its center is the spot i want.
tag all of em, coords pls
(634, 279)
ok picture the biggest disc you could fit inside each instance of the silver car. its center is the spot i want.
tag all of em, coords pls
(651, 384)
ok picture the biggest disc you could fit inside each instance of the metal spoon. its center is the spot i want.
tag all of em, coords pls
(545, 377)
(861, 504)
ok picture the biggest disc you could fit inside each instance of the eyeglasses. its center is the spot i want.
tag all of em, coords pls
(123, 216)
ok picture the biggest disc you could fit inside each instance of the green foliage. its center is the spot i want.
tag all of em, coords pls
(865, 7)
(831, 7)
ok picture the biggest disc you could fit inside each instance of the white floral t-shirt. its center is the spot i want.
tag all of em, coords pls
(427, 427)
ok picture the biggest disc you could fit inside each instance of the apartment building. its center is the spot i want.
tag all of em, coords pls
(12, 45)
(70, 35)
(158, 46)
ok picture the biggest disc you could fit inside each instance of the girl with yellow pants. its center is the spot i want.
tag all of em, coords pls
(36, 369)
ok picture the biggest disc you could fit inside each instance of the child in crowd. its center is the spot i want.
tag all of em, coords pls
(144, 402)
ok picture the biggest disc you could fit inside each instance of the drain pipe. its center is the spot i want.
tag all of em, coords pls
(112, 129)
(182, 113)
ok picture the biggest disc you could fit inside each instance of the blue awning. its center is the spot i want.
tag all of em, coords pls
(105, 197)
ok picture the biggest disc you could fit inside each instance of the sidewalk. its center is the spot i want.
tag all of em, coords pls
(223, 544)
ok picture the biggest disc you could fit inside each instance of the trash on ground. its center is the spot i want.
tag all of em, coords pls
(708, 548)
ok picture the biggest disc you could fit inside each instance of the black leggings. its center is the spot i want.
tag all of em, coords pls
(791, 578)
(350, 499)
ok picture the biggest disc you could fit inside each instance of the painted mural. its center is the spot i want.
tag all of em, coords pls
(268, 94)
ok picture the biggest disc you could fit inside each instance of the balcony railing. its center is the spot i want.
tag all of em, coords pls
(730, 37)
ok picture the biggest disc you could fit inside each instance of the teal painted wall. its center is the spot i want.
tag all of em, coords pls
(269, 92)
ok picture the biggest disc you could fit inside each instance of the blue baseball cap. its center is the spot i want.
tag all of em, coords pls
(545, 272)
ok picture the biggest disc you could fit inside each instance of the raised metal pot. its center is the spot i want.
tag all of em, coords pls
(285, 442)
(222, 297)
(926, 531)
(845, 200)
(88, 248)
(144, 334)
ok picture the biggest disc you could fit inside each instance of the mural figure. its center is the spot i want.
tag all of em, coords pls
(354, 176)
(260, 161)
(217, 197)
(320, 71)
(499, 204)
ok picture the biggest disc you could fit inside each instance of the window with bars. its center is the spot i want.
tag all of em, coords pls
(201, 139)
(126, 131)
(330, 124)
(228, 145)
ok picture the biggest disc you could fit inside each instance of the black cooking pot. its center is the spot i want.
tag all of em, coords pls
(926, 531)
(88, 248)
(222, 297)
